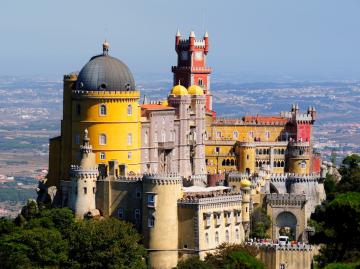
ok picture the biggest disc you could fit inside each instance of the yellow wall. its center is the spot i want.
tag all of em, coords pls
(295, 166)
(116, 125)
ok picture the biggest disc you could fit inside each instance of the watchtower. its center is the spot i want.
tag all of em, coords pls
(191, 66)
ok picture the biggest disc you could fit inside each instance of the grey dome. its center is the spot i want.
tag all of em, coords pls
(104, 72)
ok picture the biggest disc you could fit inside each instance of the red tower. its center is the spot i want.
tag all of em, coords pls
(191, 64)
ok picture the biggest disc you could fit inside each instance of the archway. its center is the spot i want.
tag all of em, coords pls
(286, 223)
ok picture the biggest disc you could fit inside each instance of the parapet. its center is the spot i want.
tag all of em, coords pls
(294, 178)
(210, 198)
(106, 94)
(286, 199)
(162, 179)
(286, 247)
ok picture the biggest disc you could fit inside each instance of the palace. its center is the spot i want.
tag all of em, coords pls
(185, 177)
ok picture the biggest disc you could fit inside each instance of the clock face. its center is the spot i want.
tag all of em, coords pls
(184, 55)
(198, 55)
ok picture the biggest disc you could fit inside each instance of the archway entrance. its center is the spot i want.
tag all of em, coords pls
(286, 223)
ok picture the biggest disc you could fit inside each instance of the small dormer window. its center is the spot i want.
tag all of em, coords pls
(103, 110)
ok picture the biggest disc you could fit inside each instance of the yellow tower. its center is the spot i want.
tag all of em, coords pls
(160, 219)
(247, 157)
(299, 158)
(246, 189)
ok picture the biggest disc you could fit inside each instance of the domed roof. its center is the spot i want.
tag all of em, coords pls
(245, 183)
(179, 90)
(195, 90)
(104, 72)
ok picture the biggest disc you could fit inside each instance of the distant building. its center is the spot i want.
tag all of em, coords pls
(187, 179)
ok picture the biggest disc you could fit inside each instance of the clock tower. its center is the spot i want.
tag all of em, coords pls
(191, 66)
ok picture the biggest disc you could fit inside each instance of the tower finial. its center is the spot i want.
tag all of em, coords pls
(206, 34)
(192, 34)
(178, 32)
(106, 47)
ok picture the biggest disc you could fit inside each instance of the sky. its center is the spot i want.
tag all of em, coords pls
(258, 39)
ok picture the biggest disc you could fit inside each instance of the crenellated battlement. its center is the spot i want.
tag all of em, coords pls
(274, 246)
(210, 198)
(162, 179)
(294, 177)
(286, 199)
(103, 94)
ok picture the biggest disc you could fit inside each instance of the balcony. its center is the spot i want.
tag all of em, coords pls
(166, 145)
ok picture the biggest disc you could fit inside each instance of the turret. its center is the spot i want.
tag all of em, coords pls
(245, 188)
(192, 41)
(160, 219)
(177, 39)
(206, 39)
(83, 181)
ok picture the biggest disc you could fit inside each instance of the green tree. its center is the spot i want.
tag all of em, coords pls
(337, 224)
(350, 172)
(260, 223)
(108, 243)
(194, 263)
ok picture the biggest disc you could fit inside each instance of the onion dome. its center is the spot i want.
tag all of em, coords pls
(179, 90)
(104, 72)
(195, 90)
(245, 183)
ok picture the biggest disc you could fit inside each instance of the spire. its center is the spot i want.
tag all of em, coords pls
(106, 47)
(178, 32)
(206, 34)
(192, 34)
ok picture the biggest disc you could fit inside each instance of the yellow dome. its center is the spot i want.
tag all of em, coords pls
(165, 103)
(245, 183)
(195, 90)
(179, 90)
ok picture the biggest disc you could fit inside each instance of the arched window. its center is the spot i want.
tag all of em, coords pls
(232, 162)
(257, 151)
(129, 139)
(260, 151)
(206, 238)
(278, 164)
(216, 237)
(146, 138)
(237, 235)
(274, 163)
(227, 236)
(223, 163)
(282, 164)
(103, 110)
(282, 151)
(200, 82)
(235, 135)
(102, 139)
(163, 136)
(129, 110)
(227, 162)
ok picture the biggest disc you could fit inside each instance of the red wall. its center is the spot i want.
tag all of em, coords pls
(303, 131)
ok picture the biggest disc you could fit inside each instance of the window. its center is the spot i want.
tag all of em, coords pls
(217, 217)
(146, 138)
(267, 134)
(120, 213)
(155, 137)
(151, 199)
(206, 238)
(129, 155)
(235, 135)
(102, 139)
(185, 246)
(217, 149)
(163, 136)
(94, 190)
(77, 139)
(227, 236)
(251, 134)
(282, 266)
(151, 221)
(129, 110)
(102, 110)
(200, 82)
(228, 217)
(207, 217)
(237, 235)
(138, 193)
(129, 139)
(78, 109)
(218, 134)
(137, 214)
(217, 237)
(247, 157)
(85, 190)
(102, 156)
